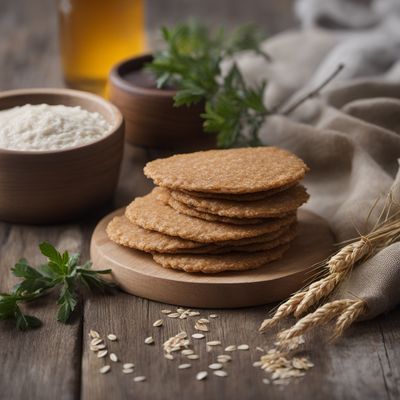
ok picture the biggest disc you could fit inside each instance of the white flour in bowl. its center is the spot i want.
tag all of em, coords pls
(46, 127)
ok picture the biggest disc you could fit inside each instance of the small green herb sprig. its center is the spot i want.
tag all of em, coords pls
(192, 62)
(61, 271)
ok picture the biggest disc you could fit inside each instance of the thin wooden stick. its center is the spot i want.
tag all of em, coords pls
(314, 92)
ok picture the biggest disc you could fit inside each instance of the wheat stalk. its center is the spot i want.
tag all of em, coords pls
(321, 316)
(283, 311)
(352, 312)
(385, 232)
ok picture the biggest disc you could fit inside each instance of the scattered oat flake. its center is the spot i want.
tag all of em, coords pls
(213, 316)
(224, 358)
(266, 381)
(180, 310)
(215, 366)
(201, 375)
(173, 315)
(94, 334)
(193, 357)
(214, 343)
(184, 366)
(139, 378)
(176, 343)
(169, 356)
(257, 364)
(203, 321)
(104, 369)
(149, 340)
(230, 348)
(282, 368)
(102, 353)
(159, 322)
(113, 357)
(220, 373)
(201, 327)
(128, 365)
(166, 311)
(112, 337)
(96, 341)
(260, 349)
(193, 313)
(198, 336)
(127, 371)
(100, 347)
(243, 347)
(187, 352)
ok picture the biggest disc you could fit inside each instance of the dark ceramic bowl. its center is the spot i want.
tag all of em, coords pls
(150, 116)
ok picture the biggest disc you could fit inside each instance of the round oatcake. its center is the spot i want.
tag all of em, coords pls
(240, 197)
(125, 233)
(285, 238)
(214, 263)
(164, 196)
(150, 213)
(273, 206)
(244, 170)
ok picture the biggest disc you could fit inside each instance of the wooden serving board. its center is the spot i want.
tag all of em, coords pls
(137, 273)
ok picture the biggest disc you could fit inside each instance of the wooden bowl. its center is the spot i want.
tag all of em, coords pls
(53, 186)
(150, 116)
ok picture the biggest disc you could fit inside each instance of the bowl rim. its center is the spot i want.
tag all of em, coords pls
(117, 125)
(116, 78)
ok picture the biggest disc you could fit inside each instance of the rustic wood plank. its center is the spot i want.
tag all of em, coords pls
(359, 366)
(46, 364)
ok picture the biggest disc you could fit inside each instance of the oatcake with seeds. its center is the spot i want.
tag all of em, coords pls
(214, 263)
(150, 213)
(285, 238)
(122, 231)
(187, 210)
(233, 171)
(165, 196)
(274, 206)
(239, 197)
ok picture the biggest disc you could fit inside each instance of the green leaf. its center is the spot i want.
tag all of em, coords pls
(8, 304)
(23, 270)
(34, 281)
(192, 61)
(56, 260)
(51, 253)
(67, 301)
(26, 322)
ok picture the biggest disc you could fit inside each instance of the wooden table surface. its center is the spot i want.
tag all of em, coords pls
(54, 362)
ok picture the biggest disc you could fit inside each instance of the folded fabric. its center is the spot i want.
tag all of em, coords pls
(349, 135)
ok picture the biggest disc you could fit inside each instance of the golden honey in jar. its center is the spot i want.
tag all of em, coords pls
(96, 34)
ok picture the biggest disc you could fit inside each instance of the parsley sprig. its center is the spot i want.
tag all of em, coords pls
(192, 63)
(62, 272)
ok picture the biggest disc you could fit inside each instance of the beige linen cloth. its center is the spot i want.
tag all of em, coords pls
(349, 136)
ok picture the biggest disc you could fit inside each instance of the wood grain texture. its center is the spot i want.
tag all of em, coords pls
(54, 362)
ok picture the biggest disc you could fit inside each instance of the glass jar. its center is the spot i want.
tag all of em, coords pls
(96, 34)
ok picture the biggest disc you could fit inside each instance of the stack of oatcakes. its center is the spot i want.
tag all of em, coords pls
(217, 210)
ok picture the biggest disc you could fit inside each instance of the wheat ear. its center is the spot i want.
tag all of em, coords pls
(352, 312)
(321, 316)
(283, 311)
